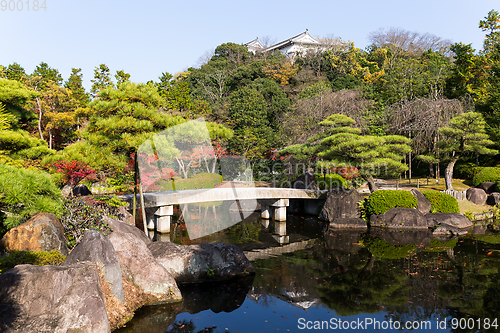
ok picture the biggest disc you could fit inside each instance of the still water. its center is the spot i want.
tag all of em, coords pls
(370, 281)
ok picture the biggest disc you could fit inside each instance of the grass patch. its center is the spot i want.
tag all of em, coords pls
(467, 206)
(458, 184)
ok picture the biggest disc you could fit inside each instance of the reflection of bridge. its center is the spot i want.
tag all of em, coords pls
(159, 205)
(270, 252)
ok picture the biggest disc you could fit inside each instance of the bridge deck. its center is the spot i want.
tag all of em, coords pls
(158, 199)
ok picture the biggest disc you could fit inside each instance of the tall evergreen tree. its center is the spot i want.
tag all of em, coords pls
(15, 72)
(47, 74)
(122, 77)
(102, 79)
(75, 84)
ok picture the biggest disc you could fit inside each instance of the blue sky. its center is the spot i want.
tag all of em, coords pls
(146, 38)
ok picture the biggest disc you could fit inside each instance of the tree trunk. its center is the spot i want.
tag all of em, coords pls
(39, 107)
(371, 183)
(448, 173)
(431, 170)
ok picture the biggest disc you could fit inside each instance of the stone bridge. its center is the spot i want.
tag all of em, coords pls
(159, 205)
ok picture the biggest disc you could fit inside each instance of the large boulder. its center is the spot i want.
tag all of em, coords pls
(123, 215)
(95, 247)
(50, 298)
(81, 191)
(444, 229)
(119, 226)
(204, 262)
(341, 203)
(139, 266)
(400, 218)
(423, 204)
(306, 181)
(476, 195)
(453, 219)
(488, 187)
(493, 199)
(43, 232)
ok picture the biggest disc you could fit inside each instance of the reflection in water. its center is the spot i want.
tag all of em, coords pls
(215, 297)
(404, 276)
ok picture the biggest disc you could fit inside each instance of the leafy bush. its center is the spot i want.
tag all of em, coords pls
(466, 170)
(98, 158)
(81, 215)
(441, 202)
(381, 201)
(24, 193)
(329, 181)
(488, 174)
(39, 258)
(74, 171)
(122, 183)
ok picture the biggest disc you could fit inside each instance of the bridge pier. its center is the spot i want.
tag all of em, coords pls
(159, 218)
(279, 206)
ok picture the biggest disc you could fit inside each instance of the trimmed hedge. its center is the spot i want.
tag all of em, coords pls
(381, 201)
(486, 174)
(329, 181)
(441, 202)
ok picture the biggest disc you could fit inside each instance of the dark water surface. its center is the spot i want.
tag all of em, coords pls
(371, 281)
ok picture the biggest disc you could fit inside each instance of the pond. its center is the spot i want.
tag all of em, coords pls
(375, 280)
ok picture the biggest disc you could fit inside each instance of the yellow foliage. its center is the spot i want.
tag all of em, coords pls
(281, 72)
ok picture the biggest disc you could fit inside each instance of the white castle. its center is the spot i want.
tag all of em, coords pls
(301, 44)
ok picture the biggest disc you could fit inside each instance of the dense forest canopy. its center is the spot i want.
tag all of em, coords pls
(405, 83)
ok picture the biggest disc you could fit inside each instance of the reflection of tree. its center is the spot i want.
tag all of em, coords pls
(382, 249)
(362, 286)
(491, 300)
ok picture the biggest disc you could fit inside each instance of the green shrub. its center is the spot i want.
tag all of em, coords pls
(20, 145)
(488, 174)
(381, 201)
(99, 158)
(329, 181)
(441, 202)
(24, 193)
(466, 170)
(39, 258)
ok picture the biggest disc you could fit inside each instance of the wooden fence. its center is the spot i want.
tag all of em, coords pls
(459, 195)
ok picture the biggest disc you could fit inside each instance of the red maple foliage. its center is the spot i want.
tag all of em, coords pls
(74, 171)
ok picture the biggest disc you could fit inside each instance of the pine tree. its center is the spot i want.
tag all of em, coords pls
(75, 84)
(343, 145)
(102, 79)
